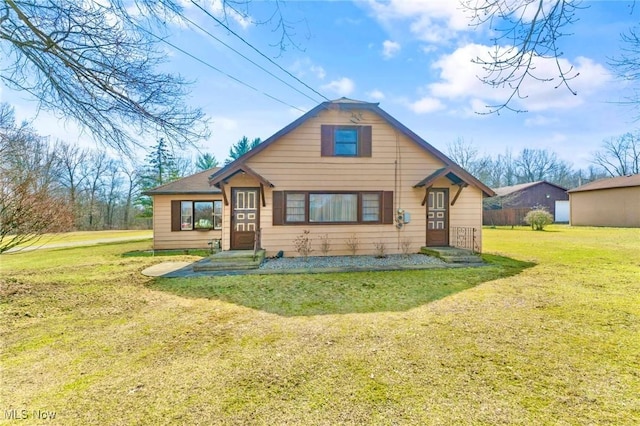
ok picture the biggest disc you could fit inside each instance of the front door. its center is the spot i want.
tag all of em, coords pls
(244, 217)
(438, 217)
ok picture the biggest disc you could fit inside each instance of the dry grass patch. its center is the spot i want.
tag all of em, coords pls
(554, 343)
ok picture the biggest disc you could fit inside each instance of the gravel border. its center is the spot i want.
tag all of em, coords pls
(356, 262)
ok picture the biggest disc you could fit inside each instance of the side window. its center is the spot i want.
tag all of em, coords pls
(296, 207)
(217, 215)
(186, 215)
(370, 207)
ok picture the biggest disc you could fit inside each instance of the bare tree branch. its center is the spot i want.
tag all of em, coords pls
(528, 31)
(88, 62)
(619, 156)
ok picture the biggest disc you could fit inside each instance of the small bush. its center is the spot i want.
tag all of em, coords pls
(405, 245)
(381, 249)
(302, 244)
(538, 219)
(352, 243)
(325, 244)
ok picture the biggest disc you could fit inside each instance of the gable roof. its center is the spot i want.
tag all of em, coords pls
(347, 105)
(195, 184)
(446, 172)
(607, 183)
(506, 190)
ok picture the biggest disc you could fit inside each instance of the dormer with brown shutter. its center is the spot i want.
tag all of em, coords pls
(345, 141)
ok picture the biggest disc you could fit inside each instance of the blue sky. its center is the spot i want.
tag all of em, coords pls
(414, 57)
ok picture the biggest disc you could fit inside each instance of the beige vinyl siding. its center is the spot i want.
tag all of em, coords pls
(467, 211)
(164, 238)
(606, 207)
(397, 163)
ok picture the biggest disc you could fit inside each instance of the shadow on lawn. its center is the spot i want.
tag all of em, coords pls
(341, 293)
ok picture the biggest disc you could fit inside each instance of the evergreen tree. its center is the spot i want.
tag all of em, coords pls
(161, 168)
(241, 147)
(206, 161)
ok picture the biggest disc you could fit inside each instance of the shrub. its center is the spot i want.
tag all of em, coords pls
(302, 244)
(381, 249)
(405, 245)
(538, 219)
(325, 244)
(352, 243)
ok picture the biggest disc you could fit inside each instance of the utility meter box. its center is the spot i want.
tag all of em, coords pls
(402, 217)
(406, 218)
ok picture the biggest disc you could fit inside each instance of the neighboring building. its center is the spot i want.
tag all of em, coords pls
(344, 169)
(512, 203)
(607, 202)
(187, 213)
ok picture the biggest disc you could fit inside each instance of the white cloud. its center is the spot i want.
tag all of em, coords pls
(224, 123)
(390, 49)
(318, 71)
(343, 86)
(218, 9)
(375, 95)
(459, 80)
(426, 105)
(434, 21)
(540, 121)
(302, 67)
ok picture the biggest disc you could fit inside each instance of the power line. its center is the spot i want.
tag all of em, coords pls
(219, 70)
(248, 59)
(258, 51)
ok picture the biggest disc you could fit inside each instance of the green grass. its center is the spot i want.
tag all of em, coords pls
(548, 333)
(81, 238)
(158, 253)
(341, 293)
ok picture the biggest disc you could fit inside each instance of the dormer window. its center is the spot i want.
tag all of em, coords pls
(345, 141)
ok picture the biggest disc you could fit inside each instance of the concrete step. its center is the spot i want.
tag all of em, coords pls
(461, 259)
(452, 254)
(233, 260)
(225, 266)
(233, 255)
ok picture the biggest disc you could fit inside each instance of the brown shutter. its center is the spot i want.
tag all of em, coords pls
(364, 147)
(278, 207)
(175, 215)
(387, 207)
(326, 140)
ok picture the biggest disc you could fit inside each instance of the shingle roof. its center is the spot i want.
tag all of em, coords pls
(194, 184)
(607, 183)
(506, 190)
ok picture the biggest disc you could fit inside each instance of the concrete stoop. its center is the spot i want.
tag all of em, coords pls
(452, 254)
(231, 260)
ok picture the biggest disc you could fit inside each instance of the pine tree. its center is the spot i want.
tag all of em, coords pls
(161, 168)
(206, 161)
(241, 147)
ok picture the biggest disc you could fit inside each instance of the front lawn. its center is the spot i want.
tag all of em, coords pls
(549, 333)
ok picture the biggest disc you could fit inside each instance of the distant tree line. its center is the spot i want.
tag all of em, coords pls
(617, 156)
(51, 186)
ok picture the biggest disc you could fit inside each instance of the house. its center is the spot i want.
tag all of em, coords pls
(607, 202)
(345, 170)
(187, 213)
(512, 203)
